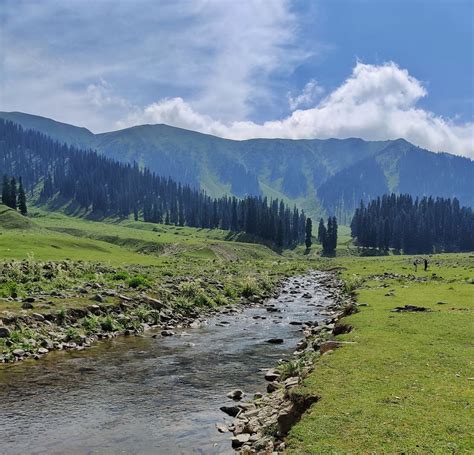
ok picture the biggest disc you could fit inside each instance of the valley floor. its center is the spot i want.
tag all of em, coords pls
(404, 385)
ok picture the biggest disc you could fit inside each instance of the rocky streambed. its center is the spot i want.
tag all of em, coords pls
(158, 394)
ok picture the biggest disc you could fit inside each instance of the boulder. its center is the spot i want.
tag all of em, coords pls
(232, 411)
(239, 440)
(275, 341)
(98, 298)
(272, 375)
(19, 352)
(27, 306)
(4, 332)
(272, 387)
(236, 394)
(167, 333)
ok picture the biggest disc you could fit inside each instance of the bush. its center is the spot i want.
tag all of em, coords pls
(91, 324)
(138, 281)
(120, 276)
(108, 324)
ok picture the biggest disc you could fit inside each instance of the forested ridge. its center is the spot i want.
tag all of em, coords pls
(109, 188)
(423, 225)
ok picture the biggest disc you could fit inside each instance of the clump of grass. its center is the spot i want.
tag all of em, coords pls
(91, 324)
(138, 282)
(73, 334)
(249, 287)
(120, 276)
(290, 369)
(109, 324)
(9, 289)
(352, 284)
(61, 315)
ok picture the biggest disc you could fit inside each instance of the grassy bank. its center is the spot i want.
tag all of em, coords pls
(406, 385)
(59, 268)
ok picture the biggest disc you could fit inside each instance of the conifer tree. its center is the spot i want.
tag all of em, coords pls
(309, 233)
(22, 199)
(321, 231)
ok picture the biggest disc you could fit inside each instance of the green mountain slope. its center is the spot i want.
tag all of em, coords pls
(320, 176)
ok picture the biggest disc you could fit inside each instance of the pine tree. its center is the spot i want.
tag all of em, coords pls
(22, 199)
(321, 231)
(308, 237)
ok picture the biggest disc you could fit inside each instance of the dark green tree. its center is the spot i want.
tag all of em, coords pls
(309, 233)
(22, 199)
(6, 191)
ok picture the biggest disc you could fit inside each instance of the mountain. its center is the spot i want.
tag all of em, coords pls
(321, 176)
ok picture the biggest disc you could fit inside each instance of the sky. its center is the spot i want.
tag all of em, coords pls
(375, 69)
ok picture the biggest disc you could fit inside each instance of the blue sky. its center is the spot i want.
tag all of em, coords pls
(376, 69)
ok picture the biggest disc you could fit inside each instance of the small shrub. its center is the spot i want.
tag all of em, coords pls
(108, 324)
(91, 324)
(138, 281)
(61, 315)
(120, 276)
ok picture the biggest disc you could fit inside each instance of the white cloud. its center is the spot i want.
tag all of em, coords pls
(377, 102)
(310, 93)
(218, 54)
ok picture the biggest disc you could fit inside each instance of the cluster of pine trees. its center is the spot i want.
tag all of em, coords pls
(424, 225)
(327, 235)
(109, 188)
(13, 195)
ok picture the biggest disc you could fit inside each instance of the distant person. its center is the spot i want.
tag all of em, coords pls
(415, 264)
(426, 264)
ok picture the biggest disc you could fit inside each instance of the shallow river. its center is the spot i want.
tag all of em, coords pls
(144, 395)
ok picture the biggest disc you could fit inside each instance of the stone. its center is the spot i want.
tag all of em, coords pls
(167, 333)
(257, 396)
(43, 351)
(98, 298)
(296, 323)
(236, 394)
(239, 440)
(272, 375)
(222, 428)
(275, 341)
(232, 411)
(4, 332)
(38, 316)
(410, 308)
(29, 300)
(18, 352)
(272, 387)
(307, 295)
(291, 382)
(27, 306)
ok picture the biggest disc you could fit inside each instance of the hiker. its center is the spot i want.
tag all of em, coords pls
(415, 264)
(426, 264)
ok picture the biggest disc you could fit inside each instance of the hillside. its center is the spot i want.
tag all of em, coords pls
(321, 176)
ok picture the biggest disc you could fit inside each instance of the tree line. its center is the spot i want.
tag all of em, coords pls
(13, 195)
(105, 187)
(425, 225)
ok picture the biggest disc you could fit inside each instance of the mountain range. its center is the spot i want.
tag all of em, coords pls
(324, 177)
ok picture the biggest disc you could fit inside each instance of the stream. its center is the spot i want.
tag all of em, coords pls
(146, 395)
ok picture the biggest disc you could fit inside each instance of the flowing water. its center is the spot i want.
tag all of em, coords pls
(145, 395)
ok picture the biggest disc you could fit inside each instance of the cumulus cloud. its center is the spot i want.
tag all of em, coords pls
(377, 102)
(310, 93)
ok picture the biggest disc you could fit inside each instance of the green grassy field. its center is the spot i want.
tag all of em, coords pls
(407, 384)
